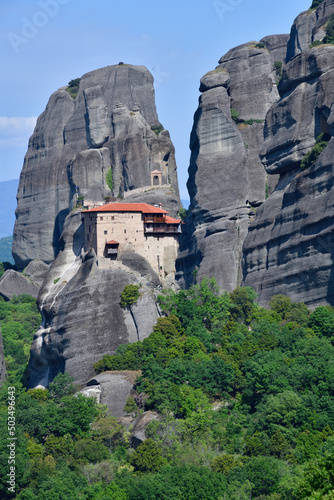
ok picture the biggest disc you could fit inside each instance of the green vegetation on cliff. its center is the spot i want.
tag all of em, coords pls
(315, 3)
(73, 87)
(316, 151)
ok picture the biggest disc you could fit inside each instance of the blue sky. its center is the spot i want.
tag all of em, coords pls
(46, 43)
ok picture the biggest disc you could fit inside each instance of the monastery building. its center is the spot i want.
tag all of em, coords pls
(133, 227)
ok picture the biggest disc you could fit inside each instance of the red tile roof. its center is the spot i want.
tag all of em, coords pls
(128, 207)
(112, 242)
(170, 220)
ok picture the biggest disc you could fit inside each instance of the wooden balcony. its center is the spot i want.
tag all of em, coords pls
(154, 219)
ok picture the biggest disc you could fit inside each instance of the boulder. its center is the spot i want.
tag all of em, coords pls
(139, 264)
(139, 426)
(36, 270)
(113, 389)
(15, 283)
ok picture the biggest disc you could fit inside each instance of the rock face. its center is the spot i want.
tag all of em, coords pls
(308, 27)
(36, 270)
(289, 247)
(227, 180)
(82, 316)
(14, 283)
(111, 123)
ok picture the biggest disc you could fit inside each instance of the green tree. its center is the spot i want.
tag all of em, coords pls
(62, 385)
(224, 463)
(89, 451)
(243, 304)
(322, 321)
(147, 457)
(108, 431)
(263, 473)
(130, 295)
(280, 304)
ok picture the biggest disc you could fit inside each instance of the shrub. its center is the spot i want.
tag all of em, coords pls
(130, 406)
(316, 43)
(73, 87)
(315, 3)
(235, 115)
(311, 156)
(260, 45)
(157, 129)
(278, 69)
(329, 38)
(182, 213)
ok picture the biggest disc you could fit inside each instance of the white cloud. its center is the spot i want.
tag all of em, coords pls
(16, 130)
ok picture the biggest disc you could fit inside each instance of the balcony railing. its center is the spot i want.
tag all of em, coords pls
(164, 229)
(111, 251)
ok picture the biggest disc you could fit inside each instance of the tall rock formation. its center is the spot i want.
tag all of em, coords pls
(289, 248)
(110, 123)
(227, 180)
(108, 129)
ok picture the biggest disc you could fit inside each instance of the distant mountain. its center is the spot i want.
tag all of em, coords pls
(8, 190)
(6, 249)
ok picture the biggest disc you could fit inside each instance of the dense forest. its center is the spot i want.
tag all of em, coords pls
(244, 395)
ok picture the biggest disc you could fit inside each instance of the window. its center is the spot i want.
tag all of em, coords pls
(124, 231)
(105, 232)
(112, 217)
(101, 218)
(87, 237)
